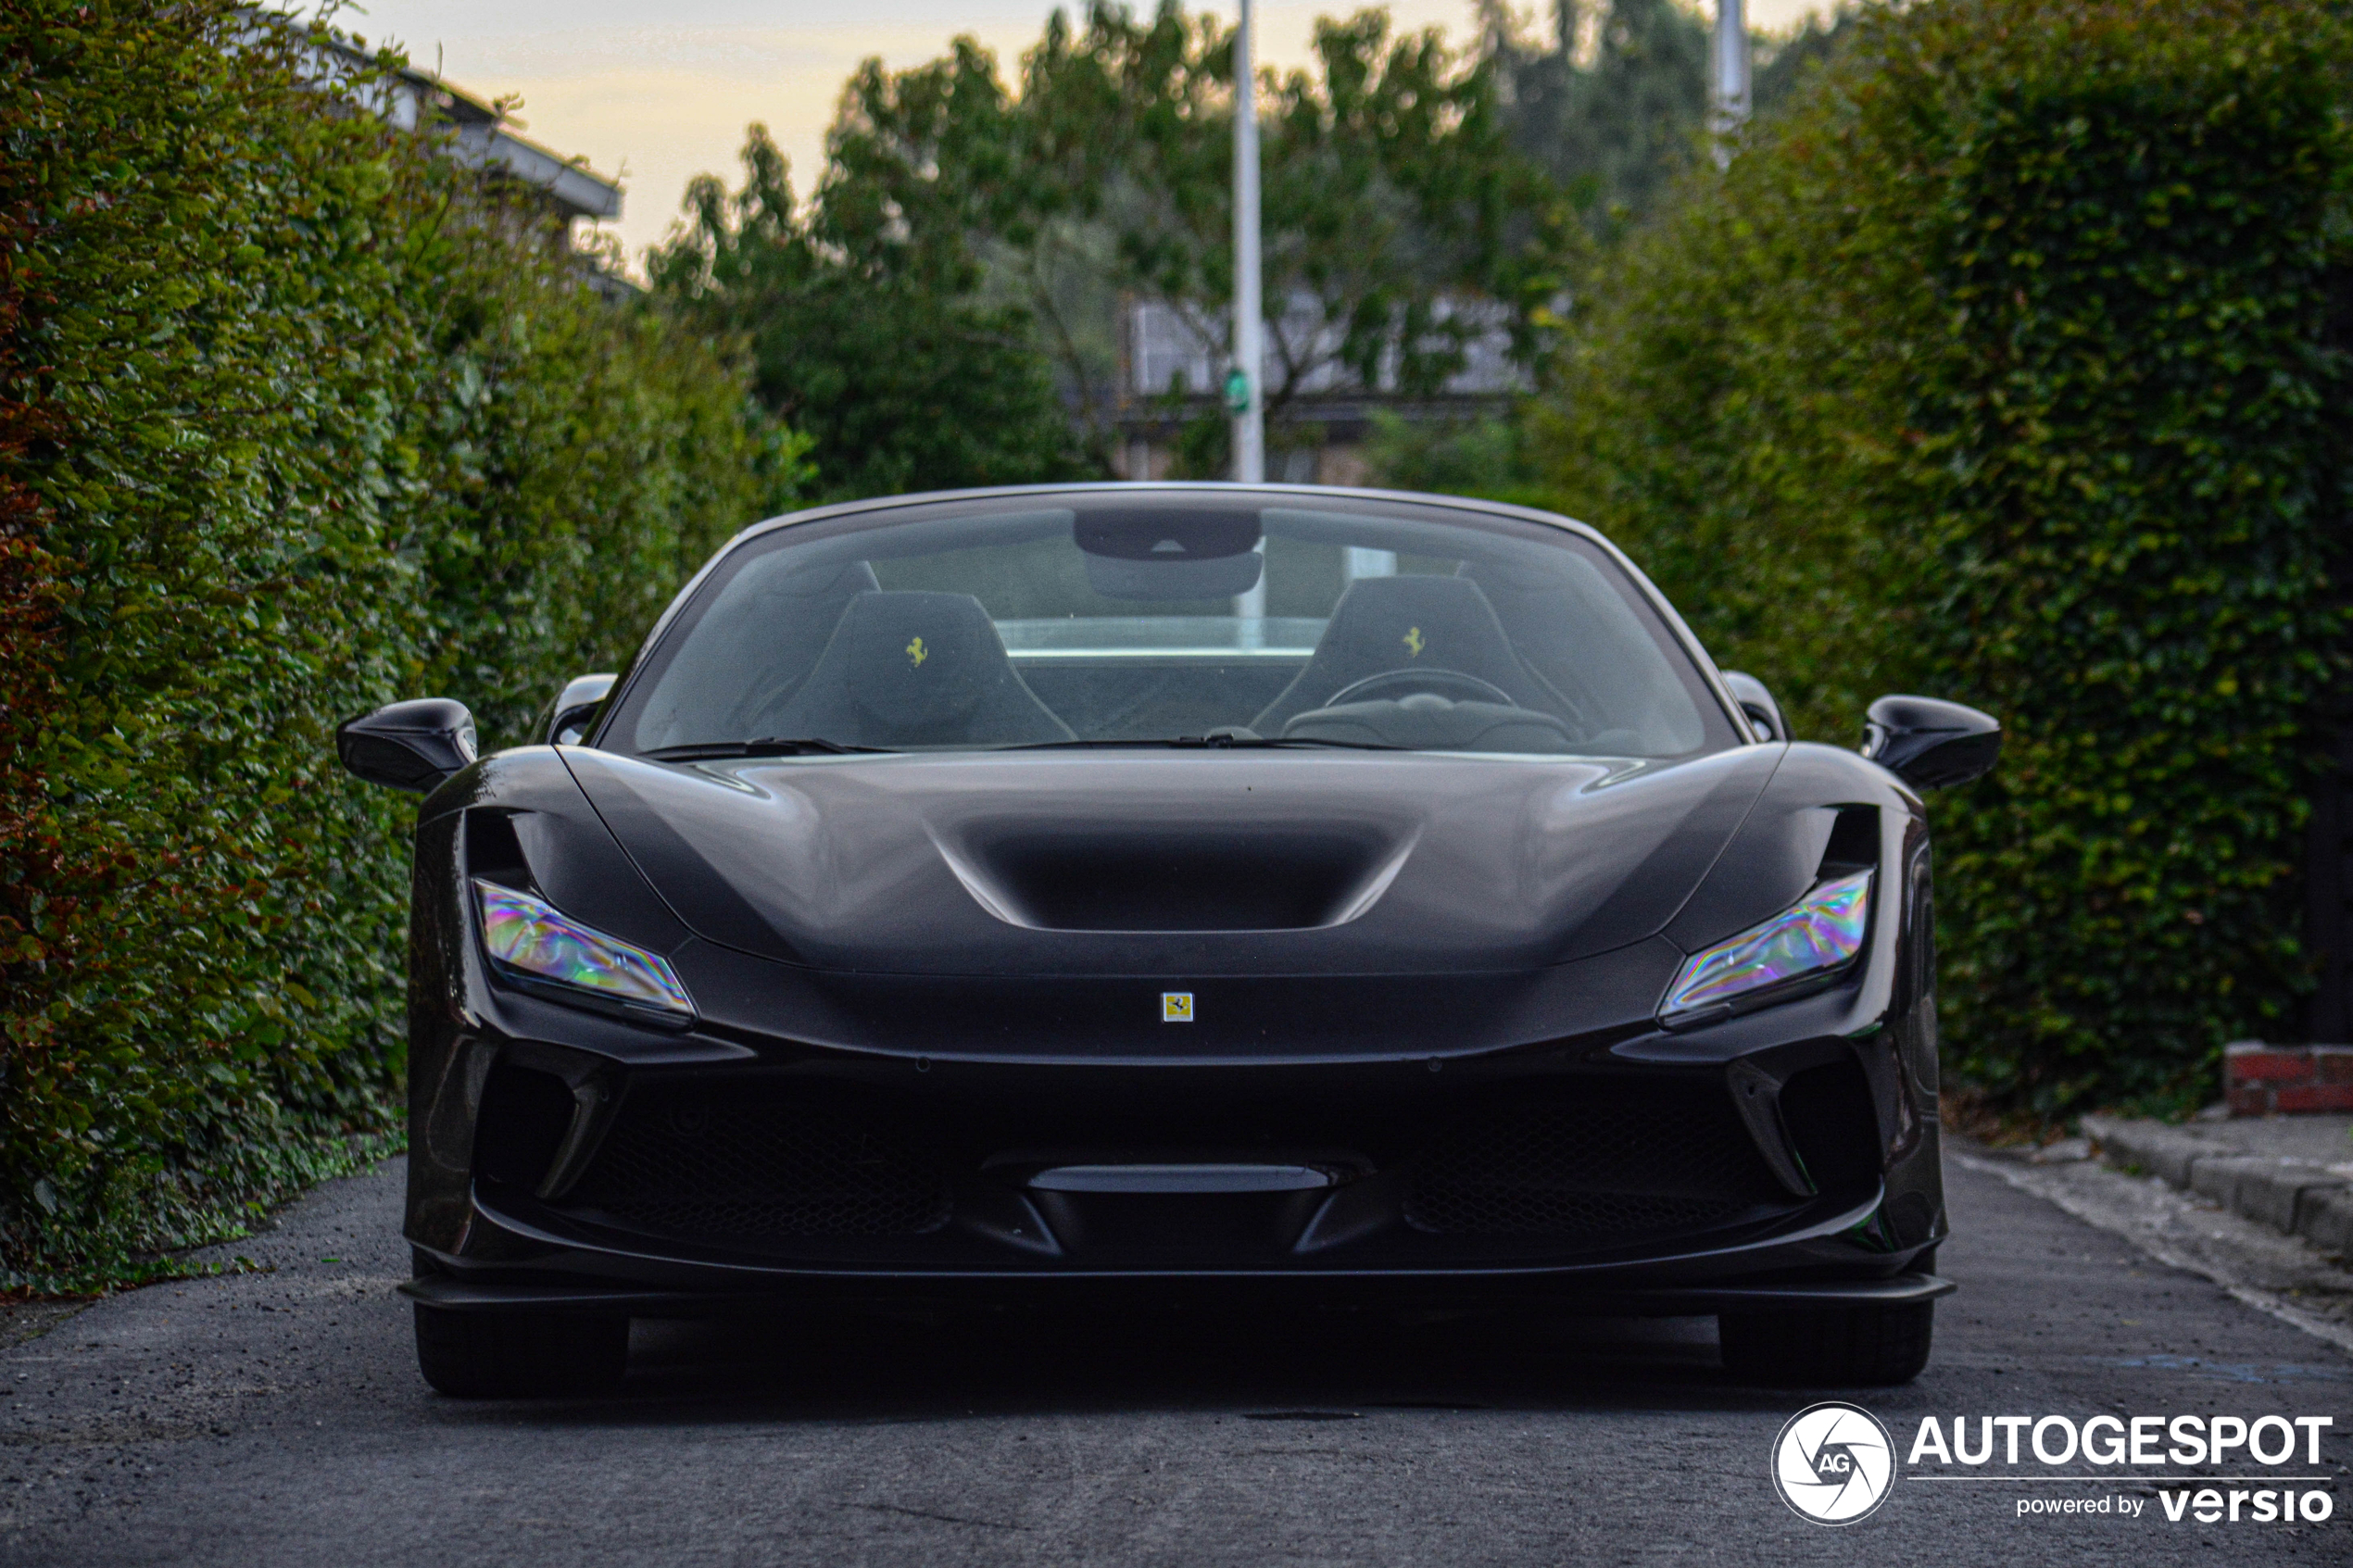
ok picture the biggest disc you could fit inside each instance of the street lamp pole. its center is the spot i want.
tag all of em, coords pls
(1243, 394)
(1730, 52)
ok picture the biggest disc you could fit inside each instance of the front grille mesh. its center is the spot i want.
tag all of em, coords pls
(1595, 1161)
(1604, 1161)
(694, 1163)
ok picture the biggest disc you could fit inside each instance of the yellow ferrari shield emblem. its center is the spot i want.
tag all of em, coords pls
(1176, 1006)
(917, 653)
(1412, 641)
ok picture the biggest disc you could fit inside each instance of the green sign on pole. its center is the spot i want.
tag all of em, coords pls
(1238, 391)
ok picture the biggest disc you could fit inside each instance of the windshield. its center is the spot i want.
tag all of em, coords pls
(1143, 616)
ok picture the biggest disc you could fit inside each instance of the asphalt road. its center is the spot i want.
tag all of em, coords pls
(276, 1417)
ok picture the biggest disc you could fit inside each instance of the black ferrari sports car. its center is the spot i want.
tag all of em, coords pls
(1363, 898)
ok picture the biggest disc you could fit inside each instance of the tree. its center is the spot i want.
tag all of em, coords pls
(867, 328)
(1620, 123)
(1401, 226)
(2008, 362)
(298, 414)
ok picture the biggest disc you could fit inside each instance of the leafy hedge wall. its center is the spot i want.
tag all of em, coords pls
(2010, 365)
(296, 416)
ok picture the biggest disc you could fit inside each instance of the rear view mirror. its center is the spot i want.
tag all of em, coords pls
(1193, 532)
(1929, 744)
(1147, 552)
(411, 745)
(1764, 713)
(568, 722)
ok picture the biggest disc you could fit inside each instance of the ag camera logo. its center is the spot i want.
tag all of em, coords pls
(1833, 1463)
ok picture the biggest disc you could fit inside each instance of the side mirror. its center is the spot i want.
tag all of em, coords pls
(1930, 743)
(1758, 704)
(575, 709)
(411, 746)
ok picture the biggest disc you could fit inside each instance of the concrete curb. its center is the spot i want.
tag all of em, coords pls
(2294, 1197)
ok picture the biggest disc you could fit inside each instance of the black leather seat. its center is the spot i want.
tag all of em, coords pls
(1412, 622)
(907, 669)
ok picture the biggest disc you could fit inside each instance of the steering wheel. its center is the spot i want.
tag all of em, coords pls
(1439, 683)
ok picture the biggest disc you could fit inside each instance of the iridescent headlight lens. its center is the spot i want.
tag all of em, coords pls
(534, 938)
(1822, 932)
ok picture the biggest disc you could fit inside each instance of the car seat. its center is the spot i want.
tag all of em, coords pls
(1383, 623)
(918, 668)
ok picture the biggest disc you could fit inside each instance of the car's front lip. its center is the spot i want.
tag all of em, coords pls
(1806, 1265)
(1595, 1297)
(533, 1238)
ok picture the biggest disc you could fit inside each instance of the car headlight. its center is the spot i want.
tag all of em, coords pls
(536, 941)
(1820, 933)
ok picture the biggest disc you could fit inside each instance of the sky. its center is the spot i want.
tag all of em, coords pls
(658, 94)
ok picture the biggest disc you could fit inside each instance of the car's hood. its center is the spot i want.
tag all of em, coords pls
(1152, 862)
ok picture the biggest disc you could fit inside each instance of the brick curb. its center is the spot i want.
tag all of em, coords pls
(2295, 1197)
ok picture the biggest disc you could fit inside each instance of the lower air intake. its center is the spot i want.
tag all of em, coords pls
(1607, 1161)
(684, 1161)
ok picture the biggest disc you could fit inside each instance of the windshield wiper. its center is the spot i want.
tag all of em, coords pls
(774, 746)
(1209, 743)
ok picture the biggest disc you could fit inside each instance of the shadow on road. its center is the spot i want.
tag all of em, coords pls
(1258, 1366)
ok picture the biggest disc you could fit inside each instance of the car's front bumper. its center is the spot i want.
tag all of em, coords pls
(1624, 1177)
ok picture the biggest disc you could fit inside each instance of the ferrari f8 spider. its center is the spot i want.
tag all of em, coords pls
(1359, 897)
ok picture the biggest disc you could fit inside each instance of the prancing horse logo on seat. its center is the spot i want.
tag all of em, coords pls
(1412, 641)
(916, 654)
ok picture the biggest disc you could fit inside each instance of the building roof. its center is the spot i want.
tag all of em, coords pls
(484, 140)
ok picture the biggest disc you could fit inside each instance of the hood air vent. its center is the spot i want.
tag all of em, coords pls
(1223, 879)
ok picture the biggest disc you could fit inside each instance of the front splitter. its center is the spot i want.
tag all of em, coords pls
(471, 1295)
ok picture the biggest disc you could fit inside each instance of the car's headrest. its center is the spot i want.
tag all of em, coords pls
(1405, 622)
(914, 669)
(920, 659)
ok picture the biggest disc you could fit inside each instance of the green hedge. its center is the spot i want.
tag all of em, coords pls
(296, 416)
(2009, 364)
